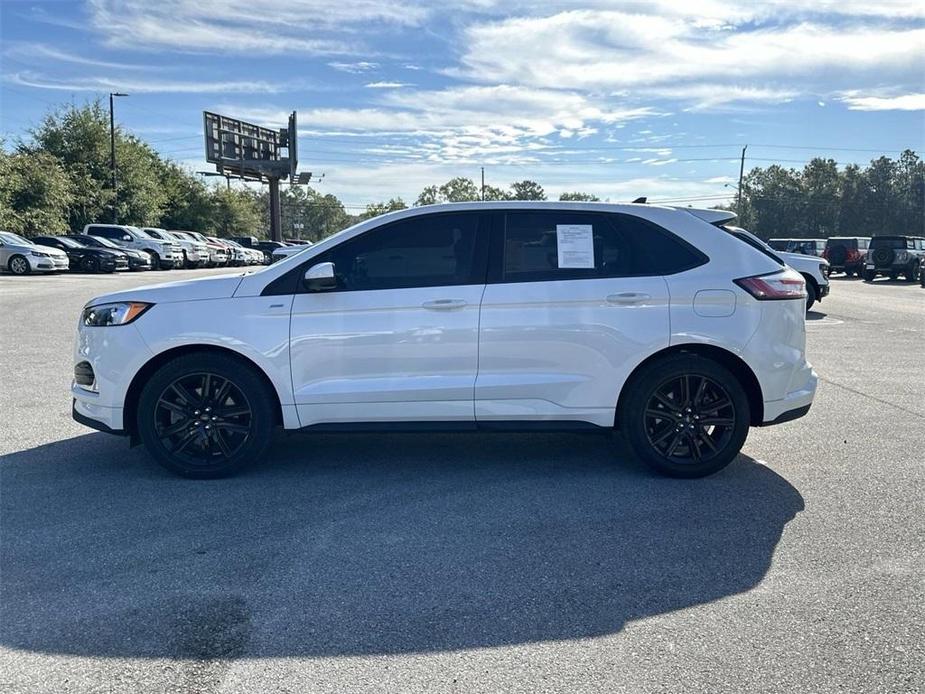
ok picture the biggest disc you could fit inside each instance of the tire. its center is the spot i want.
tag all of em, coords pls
(869, 275)
(179, 432)
(665, 443)
(849, 273)
(912, 273)
(811, 294)
(18, 265)
(91, 264)
(893, 275)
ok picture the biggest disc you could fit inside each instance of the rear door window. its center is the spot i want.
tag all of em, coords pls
(541, 246)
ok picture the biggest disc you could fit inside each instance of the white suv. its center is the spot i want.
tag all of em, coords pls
(508, 315)
(165, 255)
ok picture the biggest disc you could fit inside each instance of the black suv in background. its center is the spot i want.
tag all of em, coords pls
(85, 258)
(846, 254)
(894, 255)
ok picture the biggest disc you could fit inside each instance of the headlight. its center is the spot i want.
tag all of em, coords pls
(40, 254)
(120, 313)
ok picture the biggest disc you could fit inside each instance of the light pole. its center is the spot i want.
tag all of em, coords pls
(112, 157)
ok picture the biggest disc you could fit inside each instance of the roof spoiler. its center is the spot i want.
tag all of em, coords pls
(715, 217)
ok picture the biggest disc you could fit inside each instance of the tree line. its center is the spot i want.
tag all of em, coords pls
(58, 179)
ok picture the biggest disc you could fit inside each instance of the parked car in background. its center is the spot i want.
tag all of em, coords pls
(194, 254)
(779, 244)
(498, 316)
(267, 247)
(846, 253)
(922, 274)
(236, 254)
(894, 255)
(164, 255)
(815, 271)
(218, 254)
(137, 260)
(287, 251)
(802, 246)
(252, 256)
(85, 258)
(21, 256)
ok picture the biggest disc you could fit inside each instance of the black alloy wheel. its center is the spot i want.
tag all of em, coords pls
(91, 264)
(689, 418)
(685, 415)
(205, 415)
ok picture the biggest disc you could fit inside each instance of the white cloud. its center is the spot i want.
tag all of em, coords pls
(31, 51)
(139, 86)
(244, 26)
(903, 102)
(356, 68)
(663, 56)
(388, 85)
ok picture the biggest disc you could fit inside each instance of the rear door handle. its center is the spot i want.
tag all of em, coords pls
(627, 298)
(444, 304)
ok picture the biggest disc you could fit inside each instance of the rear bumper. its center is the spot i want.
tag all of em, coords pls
(794, 405)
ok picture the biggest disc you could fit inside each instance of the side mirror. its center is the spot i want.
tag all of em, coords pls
(320, 277)
(126, 238)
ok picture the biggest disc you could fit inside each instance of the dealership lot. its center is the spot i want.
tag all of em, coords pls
(469, 563)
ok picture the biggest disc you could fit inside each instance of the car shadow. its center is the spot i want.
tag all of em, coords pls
(368, 544)
(815, 315)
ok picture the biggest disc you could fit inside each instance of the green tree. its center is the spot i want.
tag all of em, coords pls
(459, 189)
(527, 190)
(579, 197)
(492, 193)
(820, 182)
(429, 196)
(307, 214)
(376, 209)
(236, 212)
(188, 201)
(78, 137)
(35, 194)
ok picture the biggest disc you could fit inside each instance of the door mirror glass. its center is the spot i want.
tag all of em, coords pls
(320, 277)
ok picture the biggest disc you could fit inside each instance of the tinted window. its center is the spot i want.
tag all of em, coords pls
(620, 246)
(888, 242)
(427, 251)
(779, 244)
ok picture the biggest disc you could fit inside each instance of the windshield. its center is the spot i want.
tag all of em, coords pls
(180, 235)
(105, 242)
(10, 237)
(156, 233)
(847, 243)
(70, 243)
(139, 232)
(199, 237)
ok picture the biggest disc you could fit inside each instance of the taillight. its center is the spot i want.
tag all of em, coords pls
(785, 284)
(853, 255)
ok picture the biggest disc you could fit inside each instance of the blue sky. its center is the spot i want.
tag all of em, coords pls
(616, 98)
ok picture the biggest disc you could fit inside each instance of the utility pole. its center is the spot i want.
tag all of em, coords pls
(741, 176)
(483, 184)
(112, 158)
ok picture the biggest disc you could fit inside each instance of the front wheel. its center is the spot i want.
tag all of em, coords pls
(912, 273)
(811, 294)
(18, 265)
(685, 416)
(205, 415)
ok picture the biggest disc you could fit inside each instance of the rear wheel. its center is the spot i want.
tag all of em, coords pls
(685, 416)
(18, 265)
(205, 415)
(869, 275)
(912, 273)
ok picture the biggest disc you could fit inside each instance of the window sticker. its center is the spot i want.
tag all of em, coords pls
(575, 243)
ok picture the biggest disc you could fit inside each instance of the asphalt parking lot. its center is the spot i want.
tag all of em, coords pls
(469, 563)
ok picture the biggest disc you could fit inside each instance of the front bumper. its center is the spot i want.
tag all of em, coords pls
(823, 291)
(95, 418)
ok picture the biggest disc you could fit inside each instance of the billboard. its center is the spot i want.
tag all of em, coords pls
(244, 149)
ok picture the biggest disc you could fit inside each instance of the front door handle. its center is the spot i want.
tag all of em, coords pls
(627, 298)
(444, 304)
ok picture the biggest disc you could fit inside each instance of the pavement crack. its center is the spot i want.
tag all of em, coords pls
(873, 397)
